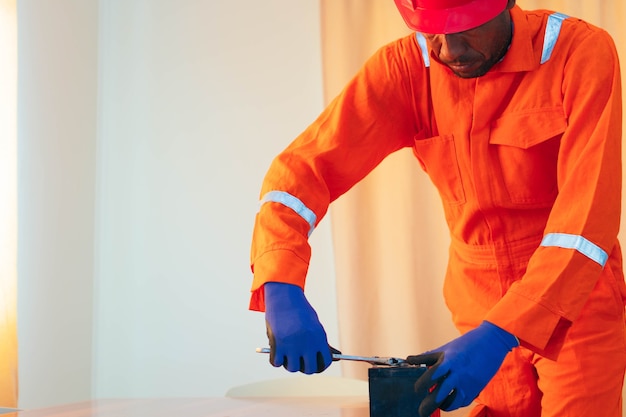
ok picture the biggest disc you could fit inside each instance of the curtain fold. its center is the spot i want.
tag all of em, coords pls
(389, 234)
(8, 203)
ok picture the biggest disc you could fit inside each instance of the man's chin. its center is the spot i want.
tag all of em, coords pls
(469, 71)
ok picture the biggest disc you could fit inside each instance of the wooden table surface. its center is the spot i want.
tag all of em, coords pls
(208, 407)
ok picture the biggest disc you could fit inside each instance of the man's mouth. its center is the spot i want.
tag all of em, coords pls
(462, 66)
(465, 69)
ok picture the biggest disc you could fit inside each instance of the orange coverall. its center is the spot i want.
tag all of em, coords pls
(527, 160)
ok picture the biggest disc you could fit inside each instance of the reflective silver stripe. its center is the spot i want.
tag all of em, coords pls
(421, 41)
(582, 245)
(293, 203)
(553, 28)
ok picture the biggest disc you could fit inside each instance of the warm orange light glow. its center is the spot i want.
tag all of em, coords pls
(8, 203)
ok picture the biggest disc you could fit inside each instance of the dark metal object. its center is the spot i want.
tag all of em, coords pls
(373, 360)
(391, 390)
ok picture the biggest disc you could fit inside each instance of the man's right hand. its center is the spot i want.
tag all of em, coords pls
(297, 339)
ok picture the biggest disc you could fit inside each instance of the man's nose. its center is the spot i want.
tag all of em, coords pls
(452, 48)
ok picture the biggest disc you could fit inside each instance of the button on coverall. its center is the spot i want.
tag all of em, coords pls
(527, 161)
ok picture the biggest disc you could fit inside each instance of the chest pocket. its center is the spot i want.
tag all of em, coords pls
(437, 156)
(523, 153)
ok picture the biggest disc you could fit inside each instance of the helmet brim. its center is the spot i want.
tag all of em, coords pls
(450, 20)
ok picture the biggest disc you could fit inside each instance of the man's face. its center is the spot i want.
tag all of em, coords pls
(472, 53)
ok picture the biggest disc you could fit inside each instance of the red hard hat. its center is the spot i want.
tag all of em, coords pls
(448, 16)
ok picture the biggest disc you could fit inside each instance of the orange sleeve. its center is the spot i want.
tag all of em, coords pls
(558, 281)
(373, 116)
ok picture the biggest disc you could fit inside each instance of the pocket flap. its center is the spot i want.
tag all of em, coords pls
(527, 129)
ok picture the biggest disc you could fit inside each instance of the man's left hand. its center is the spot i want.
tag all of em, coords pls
(460, 369)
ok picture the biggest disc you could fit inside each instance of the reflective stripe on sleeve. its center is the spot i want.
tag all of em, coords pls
(421, 41)
(293, 203)
(579, 243)
(553, 28)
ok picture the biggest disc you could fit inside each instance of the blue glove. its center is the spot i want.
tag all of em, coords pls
(460, 369)
(297, 338)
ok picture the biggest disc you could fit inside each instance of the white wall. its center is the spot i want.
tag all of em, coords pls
(196, 98)
(57, 80)
(145, 130)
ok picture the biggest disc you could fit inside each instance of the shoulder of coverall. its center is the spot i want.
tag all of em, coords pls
(398, 66)
(571, 32)
(403, 52)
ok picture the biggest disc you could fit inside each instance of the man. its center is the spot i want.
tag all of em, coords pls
(516, 118)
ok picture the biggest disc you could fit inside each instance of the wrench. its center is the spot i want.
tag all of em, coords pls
(374, 360)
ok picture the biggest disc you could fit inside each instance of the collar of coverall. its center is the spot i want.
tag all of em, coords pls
(521, 55)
